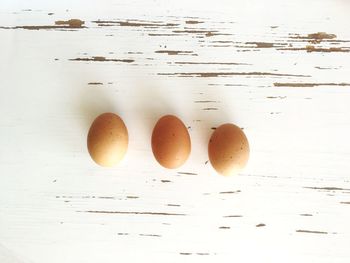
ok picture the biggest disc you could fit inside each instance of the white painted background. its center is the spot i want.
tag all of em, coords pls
(297, 179)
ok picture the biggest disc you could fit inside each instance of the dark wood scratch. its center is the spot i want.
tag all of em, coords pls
(173, 52)
(134, 23)
(229, 216)
(212, 33)
(209, 63)
(95, 83)
(163, 35)
(223, 74)
(132, 197)
(149, 235)
(198, 253)
(210, 109)
(234, 85)
(173, 205)
(276, 97)
(260, 225)
(230, 192)
(224, 227)
(192, 22)
(295, 84)
(132, 213)
(187, 173)
(224, 41)
(322, 67)
(102, 59)
(195, 31)
(206, 101)
(317, 49)
(305, 214)
(165, 181)
(84, 197)
(311, 231)
(327, 188)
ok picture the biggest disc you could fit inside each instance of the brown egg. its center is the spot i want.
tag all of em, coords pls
(171, 144)
(107, 140)
(228, 149)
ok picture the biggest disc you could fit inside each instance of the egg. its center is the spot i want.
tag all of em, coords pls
(107, 139)
(171, 143)
(228, 149)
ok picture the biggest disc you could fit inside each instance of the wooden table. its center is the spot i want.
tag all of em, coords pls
(278, 69)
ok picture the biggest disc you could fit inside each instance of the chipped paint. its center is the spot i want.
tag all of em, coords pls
(73, 23)
(261, 44)
(60, 24)
(314, 37)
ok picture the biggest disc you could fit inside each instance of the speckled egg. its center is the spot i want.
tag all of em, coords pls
(171, 143)
(228, 149)
(107, 139)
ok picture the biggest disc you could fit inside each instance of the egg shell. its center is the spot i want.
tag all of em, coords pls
(171, 143)
(107, 139)
(228, 149)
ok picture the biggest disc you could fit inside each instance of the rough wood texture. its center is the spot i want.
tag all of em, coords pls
(278, 69)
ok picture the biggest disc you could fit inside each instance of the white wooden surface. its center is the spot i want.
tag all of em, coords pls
(247, 62)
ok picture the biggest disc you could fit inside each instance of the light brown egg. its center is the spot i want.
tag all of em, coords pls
(171, 143)
(107, 140)
(228, 149)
